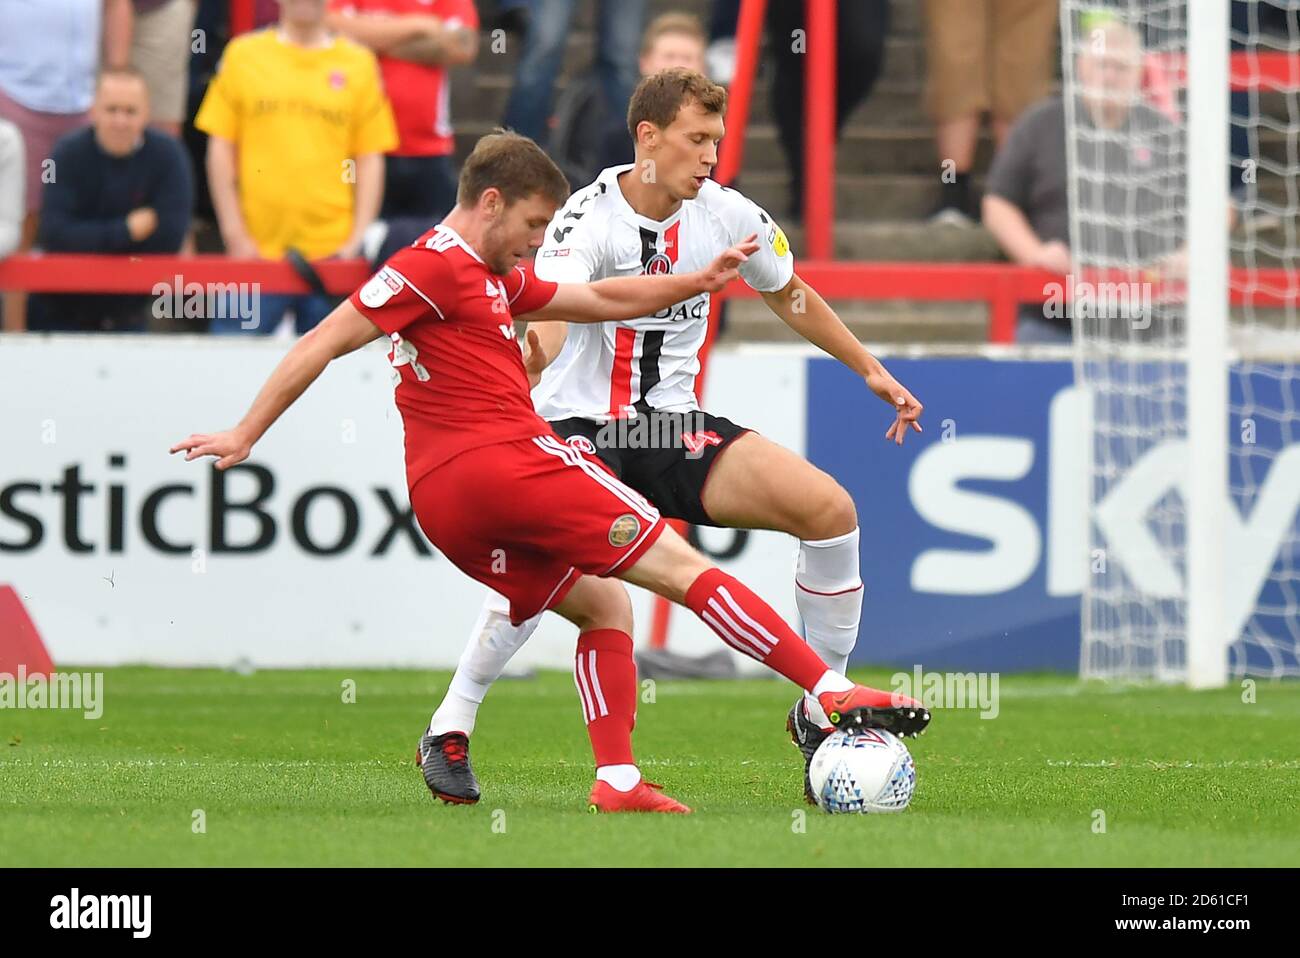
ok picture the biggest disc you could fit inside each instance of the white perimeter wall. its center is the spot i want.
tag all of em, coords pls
(78, 401)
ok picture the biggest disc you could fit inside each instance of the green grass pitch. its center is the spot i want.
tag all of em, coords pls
(286, 773)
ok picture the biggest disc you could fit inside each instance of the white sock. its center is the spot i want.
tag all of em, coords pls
(831, 681)
(493, 641)
(456, 712)
(828, 593)
(622, 778)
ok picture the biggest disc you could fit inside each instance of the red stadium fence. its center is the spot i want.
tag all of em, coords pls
(1002, 287)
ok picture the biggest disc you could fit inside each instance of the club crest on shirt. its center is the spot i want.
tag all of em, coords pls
(582, 444)
(337, 80)
(624, 529)
(658, 265)
(380, 288)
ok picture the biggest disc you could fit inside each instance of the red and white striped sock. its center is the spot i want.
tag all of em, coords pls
(605, 674)
(749, 625)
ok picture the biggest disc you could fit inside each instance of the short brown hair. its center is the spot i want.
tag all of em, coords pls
(658, 97)
(513, 164)
(684, 24)
(125, 72)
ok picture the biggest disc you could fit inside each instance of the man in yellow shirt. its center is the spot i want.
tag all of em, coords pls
(298, 126)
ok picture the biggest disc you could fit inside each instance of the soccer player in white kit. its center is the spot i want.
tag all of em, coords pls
(619, 389)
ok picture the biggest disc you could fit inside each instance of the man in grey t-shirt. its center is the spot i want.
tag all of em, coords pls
(1128, 169)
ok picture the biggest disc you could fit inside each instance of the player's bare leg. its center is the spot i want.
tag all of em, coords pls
(757, 484)
(675, 570)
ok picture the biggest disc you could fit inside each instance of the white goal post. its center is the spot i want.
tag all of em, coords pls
(1207, 341)
(1194, 427)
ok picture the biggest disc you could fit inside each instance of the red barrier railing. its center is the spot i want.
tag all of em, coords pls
(819, 136)
(85, 273)
(1003, 287)
(749, 37)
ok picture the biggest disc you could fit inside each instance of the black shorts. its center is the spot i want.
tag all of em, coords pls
(665, 456)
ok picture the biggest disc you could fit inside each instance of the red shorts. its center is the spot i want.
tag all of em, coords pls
(529, 517)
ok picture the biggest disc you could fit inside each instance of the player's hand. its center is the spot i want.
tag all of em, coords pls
(349, 250)
(242, 247)
(141, 223)
(535, 358)
(230, 447)
(427, 25)
(726, 267)
(1172, 268)
(1053, 256)
(907, 410)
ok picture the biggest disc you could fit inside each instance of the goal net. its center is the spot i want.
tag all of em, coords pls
(1183, 148)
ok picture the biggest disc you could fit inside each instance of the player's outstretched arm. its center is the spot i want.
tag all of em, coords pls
(628, 297)
(803, 310)
(340, 332)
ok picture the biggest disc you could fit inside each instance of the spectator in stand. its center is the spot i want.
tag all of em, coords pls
(618, 27)
(298, 125)
(1026, 201)
(160, 50)
(861, 32)
(671, 40)
(509, 15)
(985, 56)
(12, 185)
(121, 188)
(417, 41)
(49, 53)
(588, 137)
(721, 53)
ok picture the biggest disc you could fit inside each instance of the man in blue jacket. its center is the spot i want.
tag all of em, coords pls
(116, 187)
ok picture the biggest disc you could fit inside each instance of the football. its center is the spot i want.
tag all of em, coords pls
(863, 770)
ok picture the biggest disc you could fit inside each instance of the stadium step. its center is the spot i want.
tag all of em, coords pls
(751, 321)
(886, 171)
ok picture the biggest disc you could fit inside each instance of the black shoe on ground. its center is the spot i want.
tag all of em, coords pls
(806, 735)
(444, 760)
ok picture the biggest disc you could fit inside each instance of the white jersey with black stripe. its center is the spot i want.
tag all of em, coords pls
(614, 369)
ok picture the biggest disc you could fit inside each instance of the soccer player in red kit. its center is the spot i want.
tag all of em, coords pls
(594, 380)
(500, 495)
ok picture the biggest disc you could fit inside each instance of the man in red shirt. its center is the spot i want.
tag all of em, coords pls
(416, 41)
(507, 501)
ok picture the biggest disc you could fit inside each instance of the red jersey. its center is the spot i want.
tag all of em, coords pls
(420, 94)
(462, 382)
